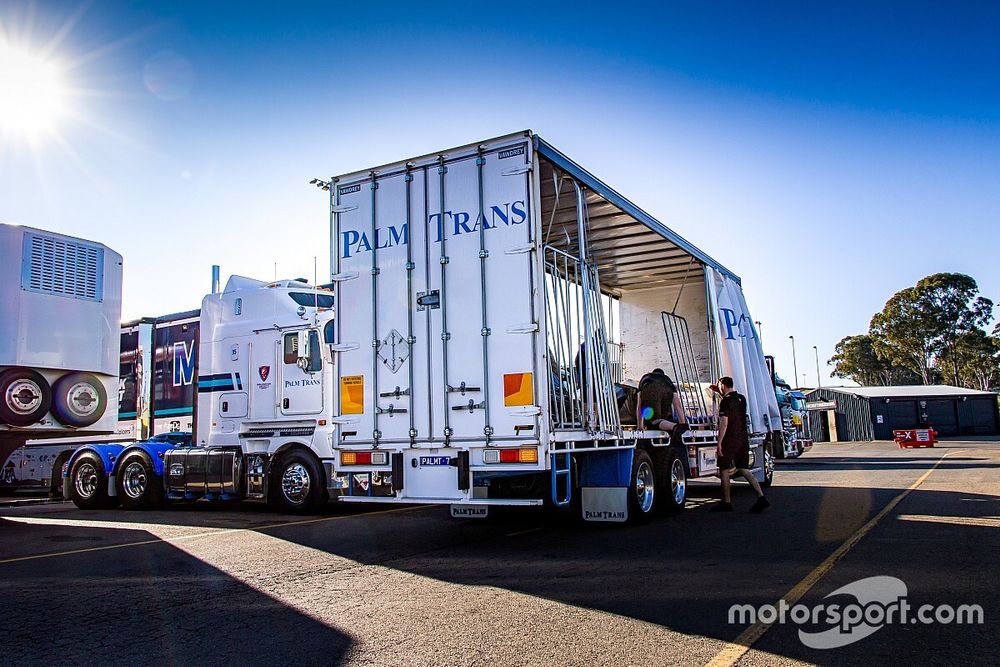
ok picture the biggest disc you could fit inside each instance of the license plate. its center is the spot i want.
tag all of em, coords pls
(469, 511)
(435, 461)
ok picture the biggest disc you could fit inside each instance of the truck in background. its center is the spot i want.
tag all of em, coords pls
(795, 436)
(155, 386)
(59, 339)
(465, 359)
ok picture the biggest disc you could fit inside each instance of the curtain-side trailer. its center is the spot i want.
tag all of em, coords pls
(489, 300)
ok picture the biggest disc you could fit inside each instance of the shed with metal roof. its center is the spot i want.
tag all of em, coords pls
(872, 413)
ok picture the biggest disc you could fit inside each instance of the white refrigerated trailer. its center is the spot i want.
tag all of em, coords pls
(60, 299)
(491, 302)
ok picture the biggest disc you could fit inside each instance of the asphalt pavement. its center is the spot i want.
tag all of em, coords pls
(412, 586)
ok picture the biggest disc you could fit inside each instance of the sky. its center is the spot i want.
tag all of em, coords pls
(830, 154)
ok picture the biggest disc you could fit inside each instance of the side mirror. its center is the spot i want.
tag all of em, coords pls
(305, 351)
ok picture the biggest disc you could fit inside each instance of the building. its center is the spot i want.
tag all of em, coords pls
(872, 413)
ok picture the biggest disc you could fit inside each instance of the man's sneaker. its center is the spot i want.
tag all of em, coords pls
(760, 505)
(722, 507)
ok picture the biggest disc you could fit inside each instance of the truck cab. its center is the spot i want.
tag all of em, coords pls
(262, 426)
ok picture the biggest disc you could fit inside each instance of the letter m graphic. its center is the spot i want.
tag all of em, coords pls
(183, 363)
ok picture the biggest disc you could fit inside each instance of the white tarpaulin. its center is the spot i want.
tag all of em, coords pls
(740, 353)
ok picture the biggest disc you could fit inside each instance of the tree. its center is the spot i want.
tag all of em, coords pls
(855, 359)
(977, 358)
(923, 322)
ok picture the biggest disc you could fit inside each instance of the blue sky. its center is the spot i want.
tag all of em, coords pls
(830, 155)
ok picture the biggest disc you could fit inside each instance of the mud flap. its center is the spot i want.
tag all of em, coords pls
(604, 481)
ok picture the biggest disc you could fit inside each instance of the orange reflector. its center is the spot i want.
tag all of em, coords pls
(348, 458)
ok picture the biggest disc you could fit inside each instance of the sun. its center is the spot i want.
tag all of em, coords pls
(33, 95)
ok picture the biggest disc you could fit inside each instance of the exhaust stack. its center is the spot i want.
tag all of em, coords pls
(215, 279)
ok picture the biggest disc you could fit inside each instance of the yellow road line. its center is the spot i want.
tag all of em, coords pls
(221, 531)
(737, 648)
(982, 521)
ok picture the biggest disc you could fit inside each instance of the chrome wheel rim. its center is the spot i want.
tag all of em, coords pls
(644, 486)
(768, 464)
(23, 396)
(85, 480)
(678, 481)
(295, 483)
(82, 399)
(134, 480)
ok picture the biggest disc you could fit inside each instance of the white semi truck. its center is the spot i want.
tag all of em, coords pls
(487, 305)
(60, 299)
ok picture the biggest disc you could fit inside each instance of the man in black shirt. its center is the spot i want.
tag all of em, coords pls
(733, 451)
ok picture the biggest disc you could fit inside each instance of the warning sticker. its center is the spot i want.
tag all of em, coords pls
(352, 395)
(518, 389)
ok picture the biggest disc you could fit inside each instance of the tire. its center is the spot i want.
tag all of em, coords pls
(78, 399)
(89, 483)
(641, 488)
(25, 397)
(137, 484)
(768, 468)
(777, 445)
(297, 483)
(671, 481)
(55, 484)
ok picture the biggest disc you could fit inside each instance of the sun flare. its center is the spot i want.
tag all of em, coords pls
(32, 93)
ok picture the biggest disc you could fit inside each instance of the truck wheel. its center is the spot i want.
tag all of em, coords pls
(642, 488)
(768, 467)
(89, 483)
(671, 481)
(297, 484)
(78, 399)
(25, 397)
(56, 483)
(137, 484)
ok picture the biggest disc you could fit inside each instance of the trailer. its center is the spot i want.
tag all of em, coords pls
(489, 306)
(491, 300)
(59, 345)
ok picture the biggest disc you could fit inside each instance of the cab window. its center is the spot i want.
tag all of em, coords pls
(291, 348)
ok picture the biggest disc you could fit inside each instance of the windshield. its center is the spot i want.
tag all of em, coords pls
(312, 299)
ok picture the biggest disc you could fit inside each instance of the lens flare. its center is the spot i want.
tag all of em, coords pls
(647, 412)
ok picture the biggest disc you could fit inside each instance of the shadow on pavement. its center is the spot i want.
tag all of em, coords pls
(143, 605)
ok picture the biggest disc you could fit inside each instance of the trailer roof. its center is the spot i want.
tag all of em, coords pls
(631, 248)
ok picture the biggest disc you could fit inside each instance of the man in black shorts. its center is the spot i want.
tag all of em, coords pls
(734, 446)
(659, 403)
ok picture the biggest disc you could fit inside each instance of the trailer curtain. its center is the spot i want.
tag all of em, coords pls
(740, 353)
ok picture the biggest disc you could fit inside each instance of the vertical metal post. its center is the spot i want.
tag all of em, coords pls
(485, 330)
(376, 434)
(215, 279)
(445, 335)
(795, 363)
(410, 266)
(586, 353)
